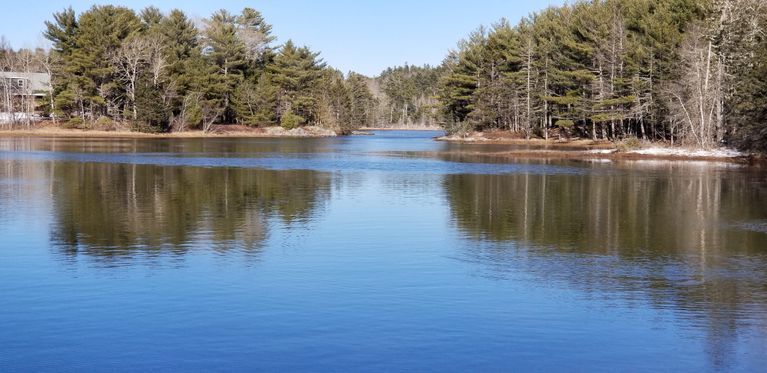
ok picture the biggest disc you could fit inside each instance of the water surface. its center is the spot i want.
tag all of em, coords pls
(386, 252)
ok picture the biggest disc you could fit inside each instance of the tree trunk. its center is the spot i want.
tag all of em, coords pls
(546, 117)
(529, 88)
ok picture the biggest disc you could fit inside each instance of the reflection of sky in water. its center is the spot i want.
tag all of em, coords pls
(375, 251)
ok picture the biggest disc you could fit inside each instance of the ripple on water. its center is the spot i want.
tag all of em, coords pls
(373, 251)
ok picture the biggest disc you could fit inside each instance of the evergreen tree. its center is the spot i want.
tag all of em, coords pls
(362, 110)
(62, 33)
(461, 80)
(152, 114)
(254, 99)
(296, 73)
(408, 95)
(496, 97)
(256, 35)
(750, 98)
(151, 17)
(256, 102)
(101, 31)
(334, 101)
(179, 43)
(182, 58)
(224, 49)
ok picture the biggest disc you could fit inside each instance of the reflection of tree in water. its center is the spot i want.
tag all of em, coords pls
(109, 210)
(669, 238)
(178, 146)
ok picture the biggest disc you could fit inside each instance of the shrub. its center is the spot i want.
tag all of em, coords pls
(629, 144)
(73, 123)
(458, 128)
(565, 124)
(104, 123)
(144, 127)
(290, 121)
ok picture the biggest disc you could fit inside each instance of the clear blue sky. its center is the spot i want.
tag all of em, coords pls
(361, 35)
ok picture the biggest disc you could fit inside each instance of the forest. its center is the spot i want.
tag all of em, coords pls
(407, 96)
(677, 71)
(161, 72)
(681, 71)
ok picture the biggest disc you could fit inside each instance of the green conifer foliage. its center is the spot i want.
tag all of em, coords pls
(158, 72)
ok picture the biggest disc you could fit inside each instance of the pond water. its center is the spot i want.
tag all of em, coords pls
(379, 253)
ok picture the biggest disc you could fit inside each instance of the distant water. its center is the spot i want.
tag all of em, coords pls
(390, 252)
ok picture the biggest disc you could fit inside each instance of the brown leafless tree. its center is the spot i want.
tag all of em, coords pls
(129, 61)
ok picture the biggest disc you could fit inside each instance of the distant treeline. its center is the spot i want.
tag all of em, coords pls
(407, 96)
(687, 71)
(161, 72)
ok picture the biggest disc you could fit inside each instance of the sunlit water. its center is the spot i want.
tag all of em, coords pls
(377, 253)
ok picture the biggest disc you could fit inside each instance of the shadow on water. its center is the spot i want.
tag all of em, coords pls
(679, 238)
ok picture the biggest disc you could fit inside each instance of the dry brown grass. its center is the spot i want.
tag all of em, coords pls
(217, 131)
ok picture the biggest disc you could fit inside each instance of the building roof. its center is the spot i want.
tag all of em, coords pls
(39, 82)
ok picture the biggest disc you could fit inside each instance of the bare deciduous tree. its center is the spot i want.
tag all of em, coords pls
(47, 64)
(6, 64)
(698, 93)
(25, 60)
(129, 60)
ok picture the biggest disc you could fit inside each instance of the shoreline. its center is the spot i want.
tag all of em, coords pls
(585, 149)
(586, 155)
(575, 149)
(425, 129)
(219, 132)
(584, 143)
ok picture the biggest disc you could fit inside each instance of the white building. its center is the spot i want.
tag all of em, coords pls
(20, 95)
(24, 84)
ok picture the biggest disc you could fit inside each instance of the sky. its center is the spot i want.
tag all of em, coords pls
(365, 36)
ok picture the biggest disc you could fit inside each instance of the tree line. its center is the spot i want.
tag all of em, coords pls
(682, 71)
(686, 71)
(407, 96)
(163, 72)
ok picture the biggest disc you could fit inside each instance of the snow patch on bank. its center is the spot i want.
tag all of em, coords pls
(603, 151)
(693, 153)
